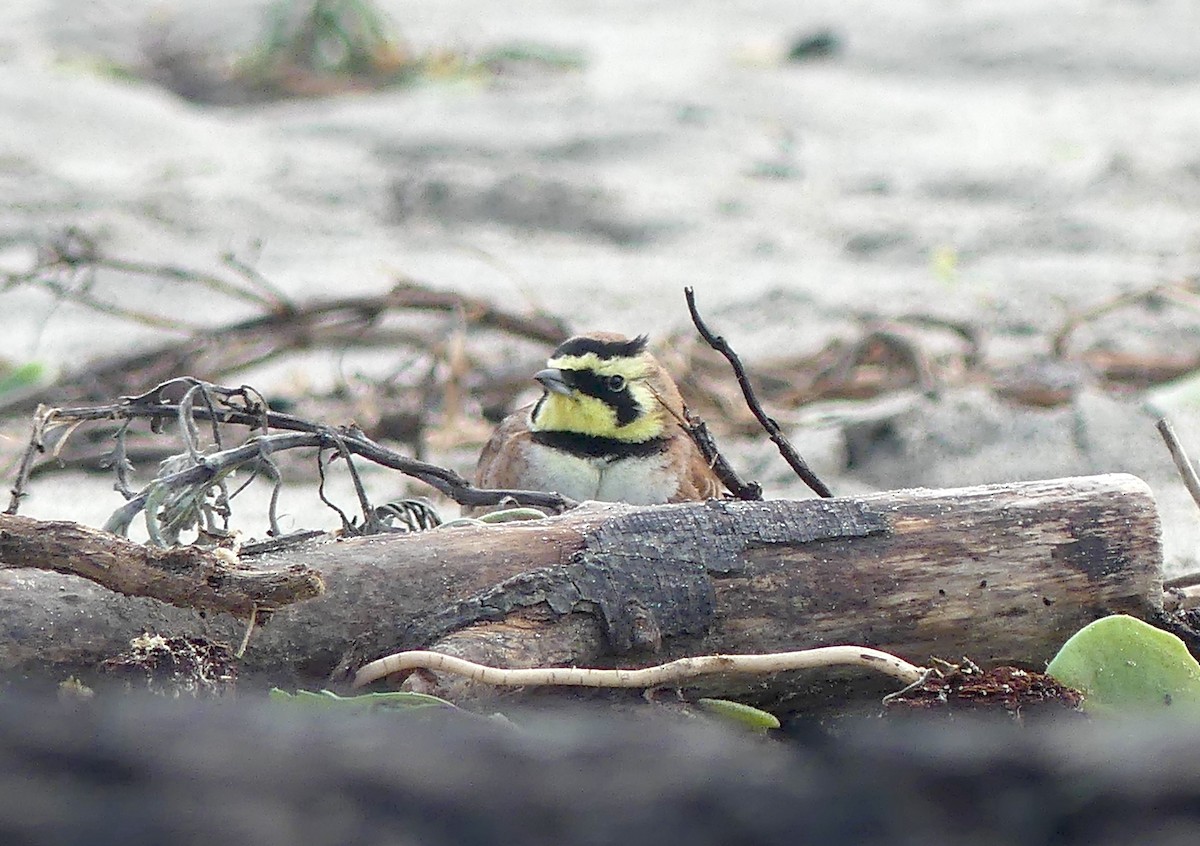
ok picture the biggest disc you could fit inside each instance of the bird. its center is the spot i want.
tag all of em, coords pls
(608, 427)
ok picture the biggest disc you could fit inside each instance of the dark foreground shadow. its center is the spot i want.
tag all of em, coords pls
(134, 771)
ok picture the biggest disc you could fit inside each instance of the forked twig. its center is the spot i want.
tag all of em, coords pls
(793, 458)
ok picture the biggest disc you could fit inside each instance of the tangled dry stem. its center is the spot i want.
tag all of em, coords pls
(190, 487)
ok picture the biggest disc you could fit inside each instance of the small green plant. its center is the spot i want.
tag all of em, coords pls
(1124, 666)
(321, 47)
(746, 716)
(326, 39)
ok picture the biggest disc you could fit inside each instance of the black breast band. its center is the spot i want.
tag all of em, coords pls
(594, 446)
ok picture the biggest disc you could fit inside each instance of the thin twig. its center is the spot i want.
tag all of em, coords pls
(322, 463)
(370, 522)
(697, 429)
(1179, 455)
(772, 429)
(1166, 290)
(919, 683)
(273, 293)
(271, 470)
(37, 445)
(671, 673)
(250, 623)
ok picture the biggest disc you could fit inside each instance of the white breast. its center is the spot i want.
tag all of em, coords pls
(638, 481)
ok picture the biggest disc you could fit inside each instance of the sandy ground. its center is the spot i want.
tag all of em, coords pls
(1003, 163)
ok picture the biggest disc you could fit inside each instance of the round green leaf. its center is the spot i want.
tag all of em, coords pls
(1125, 666)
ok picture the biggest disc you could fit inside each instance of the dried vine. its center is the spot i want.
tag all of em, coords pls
(189, 490)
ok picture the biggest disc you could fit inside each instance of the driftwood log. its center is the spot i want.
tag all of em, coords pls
(1003, 574)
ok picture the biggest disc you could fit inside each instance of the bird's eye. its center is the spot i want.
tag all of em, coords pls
(616, 383)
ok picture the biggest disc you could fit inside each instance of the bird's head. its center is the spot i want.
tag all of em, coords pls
(604, 385)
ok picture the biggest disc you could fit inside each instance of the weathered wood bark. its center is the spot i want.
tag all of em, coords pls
(189, 577)
(1001, 573)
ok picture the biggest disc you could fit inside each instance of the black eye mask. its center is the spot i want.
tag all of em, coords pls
(594, 385)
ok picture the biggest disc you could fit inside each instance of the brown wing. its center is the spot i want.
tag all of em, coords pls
(697, 480)
(501, 464)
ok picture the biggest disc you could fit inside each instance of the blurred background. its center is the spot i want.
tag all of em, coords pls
(956, 242)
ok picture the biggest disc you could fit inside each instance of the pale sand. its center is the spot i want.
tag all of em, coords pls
(1053, 150)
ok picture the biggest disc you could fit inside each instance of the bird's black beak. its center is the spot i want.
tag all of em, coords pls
(554, 380)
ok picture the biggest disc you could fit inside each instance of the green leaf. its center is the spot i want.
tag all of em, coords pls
(744, 715)
(399, 700)
(1125, 666)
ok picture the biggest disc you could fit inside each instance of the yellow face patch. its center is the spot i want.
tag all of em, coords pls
(587, 415)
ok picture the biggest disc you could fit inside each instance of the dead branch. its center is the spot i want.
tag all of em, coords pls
(793, 458)
(66, 273)
(186, 577)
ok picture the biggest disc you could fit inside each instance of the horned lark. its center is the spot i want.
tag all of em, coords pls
(607, 428)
